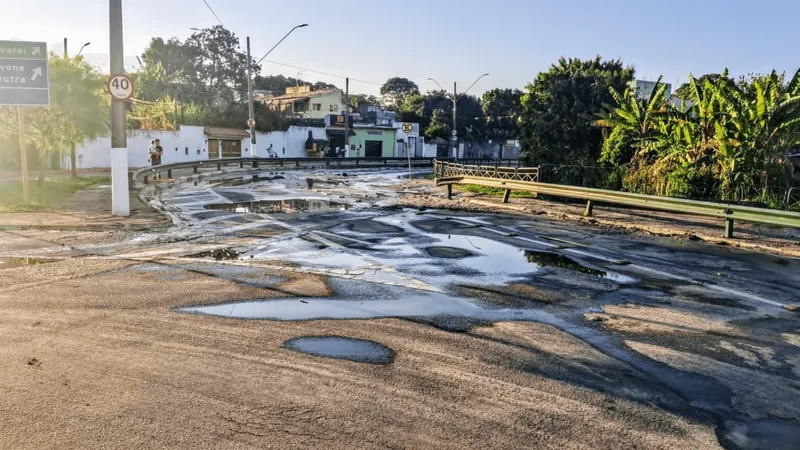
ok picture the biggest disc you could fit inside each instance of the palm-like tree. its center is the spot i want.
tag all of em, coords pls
(634, 122)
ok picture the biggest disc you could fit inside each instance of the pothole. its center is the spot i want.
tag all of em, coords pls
(219, 254)
(448, 252)
(279, 206)
(339, 347)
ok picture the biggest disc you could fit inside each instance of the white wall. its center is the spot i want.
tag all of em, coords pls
(189, 144)
(285, 144)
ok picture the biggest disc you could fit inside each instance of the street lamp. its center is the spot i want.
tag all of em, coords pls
(279, 42)
(84, 46)
(250, 86)
(455, 99)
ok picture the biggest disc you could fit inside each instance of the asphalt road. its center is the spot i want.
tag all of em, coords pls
(428, 329)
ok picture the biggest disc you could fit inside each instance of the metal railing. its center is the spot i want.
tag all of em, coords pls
(448, 174)
(448, 169)
(146, 173)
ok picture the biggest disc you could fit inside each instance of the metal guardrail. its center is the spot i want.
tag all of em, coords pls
(448, 174)
(146, 173)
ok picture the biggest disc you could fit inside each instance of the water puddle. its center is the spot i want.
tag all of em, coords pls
(287, 206)
(220, 254)
(547, 259)
(768, 434)
(11, 263)
(411, 306)
(338, 347)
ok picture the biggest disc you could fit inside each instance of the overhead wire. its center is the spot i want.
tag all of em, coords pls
(321, 72)
(212, 12)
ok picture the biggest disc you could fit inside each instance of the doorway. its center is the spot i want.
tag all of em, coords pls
(373, 149)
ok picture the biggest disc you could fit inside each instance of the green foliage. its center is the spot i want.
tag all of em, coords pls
(165, 114)
(560, 106)
(502, 108)
(46, 195)
(79, 110)
(724, 139)
(278, 84)
(399, 88)
(494, 192)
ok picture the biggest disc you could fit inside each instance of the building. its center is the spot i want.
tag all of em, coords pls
(304, 103)
(644, 89)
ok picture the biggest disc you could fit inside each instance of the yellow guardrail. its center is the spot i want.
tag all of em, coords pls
(450, 173)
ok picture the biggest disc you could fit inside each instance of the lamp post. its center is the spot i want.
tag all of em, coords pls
(251, 112)
(83, 47)
(455, 99)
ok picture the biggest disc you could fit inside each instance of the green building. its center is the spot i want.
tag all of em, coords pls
(373, 141)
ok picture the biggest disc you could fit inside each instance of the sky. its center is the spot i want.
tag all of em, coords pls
(448, 40)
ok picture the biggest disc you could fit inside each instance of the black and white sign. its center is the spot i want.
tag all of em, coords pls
(251, 123)
(23, 73)
(408, 128)
(120, 87)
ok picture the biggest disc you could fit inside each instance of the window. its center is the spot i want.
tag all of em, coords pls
(317, 106)
(334, 108)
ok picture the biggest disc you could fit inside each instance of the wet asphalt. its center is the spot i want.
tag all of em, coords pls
(459, 271)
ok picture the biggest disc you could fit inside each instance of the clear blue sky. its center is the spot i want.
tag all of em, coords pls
(453, 40)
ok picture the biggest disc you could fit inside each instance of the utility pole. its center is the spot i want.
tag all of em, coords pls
(455, 129)
(346, 116)
(72, 156)
(119, 143)
(23, 158)
(250, 101)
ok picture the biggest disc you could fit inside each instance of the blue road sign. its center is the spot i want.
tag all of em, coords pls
(23, 73)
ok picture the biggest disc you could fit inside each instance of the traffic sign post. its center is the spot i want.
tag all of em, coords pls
(24, 81)
(24, 77)
(120, 87)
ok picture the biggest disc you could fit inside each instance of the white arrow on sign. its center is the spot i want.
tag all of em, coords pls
(36, 50)
(37, 72)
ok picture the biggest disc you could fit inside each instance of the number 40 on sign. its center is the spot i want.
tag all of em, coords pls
(120, 87)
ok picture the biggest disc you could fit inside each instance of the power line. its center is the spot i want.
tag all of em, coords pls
(322, 73)
(212, 12)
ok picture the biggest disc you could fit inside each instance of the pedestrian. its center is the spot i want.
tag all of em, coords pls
(155, 155)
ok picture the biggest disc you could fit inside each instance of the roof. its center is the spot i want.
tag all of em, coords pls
(303, 96)
(225, 133)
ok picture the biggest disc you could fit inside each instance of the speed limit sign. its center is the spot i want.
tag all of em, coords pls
(120, 87)
(251, 123)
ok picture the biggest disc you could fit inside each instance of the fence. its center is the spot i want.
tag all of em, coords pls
(448, 174)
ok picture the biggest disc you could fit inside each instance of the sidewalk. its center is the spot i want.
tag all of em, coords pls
(14, 175)
(88, 209)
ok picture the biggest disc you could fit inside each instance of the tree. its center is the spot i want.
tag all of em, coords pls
(174, 57)
(218, 63)
(502, 109)
(278, 83)
(207, 67)
(412, 109)
(730, 142)
(560, 105)
(399, 88)
(634, 123)
(78, 110)
(165, 114)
